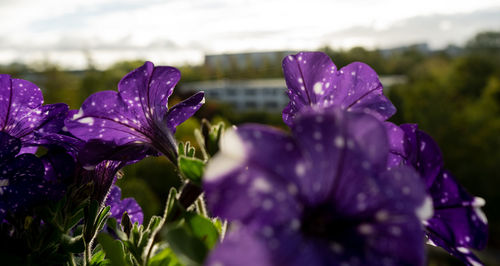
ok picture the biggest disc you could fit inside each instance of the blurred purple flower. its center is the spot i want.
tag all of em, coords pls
(313, 80)
(119, 206)
(137, 114)
(22, 113)
(322, 196)
(458, 223)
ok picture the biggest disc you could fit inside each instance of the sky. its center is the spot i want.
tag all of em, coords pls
(182, 31)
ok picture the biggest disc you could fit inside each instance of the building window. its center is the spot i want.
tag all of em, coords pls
(271, 105)
(250, 92)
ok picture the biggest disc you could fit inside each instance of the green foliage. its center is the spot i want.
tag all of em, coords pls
(166, 257)
(191, 168)
(192, 238)
(114, 250)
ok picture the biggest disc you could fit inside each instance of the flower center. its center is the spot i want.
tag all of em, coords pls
(325, 222)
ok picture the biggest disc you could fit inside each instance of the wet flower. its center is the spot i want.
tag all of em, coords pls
(119, 206)
(22, 113)
(313, 80)
(137, 114)
(322, 196)
(458, 223)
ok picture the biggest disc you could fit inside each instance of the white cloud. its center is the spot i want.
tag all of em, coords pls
(182, 30)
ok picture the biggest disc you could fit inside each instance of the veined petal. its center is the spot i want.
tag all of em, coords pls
(424, 153)
(398, 145)
(17, 97)
(328, 137)
(458, 219)
(105, 116)
(313, 80)
(184, 110)
(147, 88)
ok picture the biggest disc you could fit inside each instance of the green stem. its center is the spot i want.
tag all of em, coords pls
(87, 253)
(72, 260)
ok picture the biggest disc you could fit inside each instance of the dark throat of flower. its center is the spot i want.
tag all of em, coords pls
(324, 222)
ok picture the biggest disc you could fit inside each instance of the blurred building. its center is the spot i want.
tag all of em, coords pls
(244, 95)
(258, 94)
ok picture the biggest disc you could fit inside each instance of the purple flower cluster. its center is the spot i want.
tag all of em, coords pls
(25, 179)
(344, 188)
(89, 145)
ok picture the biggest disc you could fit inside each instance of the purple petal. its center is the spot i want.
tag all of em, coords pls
(313, 80)
(10, 146)
(359, 89)
(95, 151)
(337, 203)
(424, 153)
(249, 179)
(461, 253)
(389, 204)
(184, 110)
(59, 165)
(147, 88)
(336, 135)
(398, 145)
(309, 78)
(105, 116)
(71, 144)
(26, 185)
(119, 206)
(17, 98)
(45, 119)
(458, 220)
(21, 112)
(242, 248)
(138, 113)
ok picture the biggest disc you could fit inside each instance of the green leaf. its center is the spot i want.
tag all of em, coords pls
(188, 248)
(203, 229)
(164, 258)
(98, 259)
(181, 148)
(171, 199)
(75, 219)
(113, 249)
(72, 244)
(191, 168)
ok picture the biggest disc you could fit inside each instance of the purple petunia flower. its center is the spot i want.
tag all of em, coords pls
(22, 182)
(137, 114)
(322, 196)
(22, 113)
(458, 223)
(119, 206)
(313, 80)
